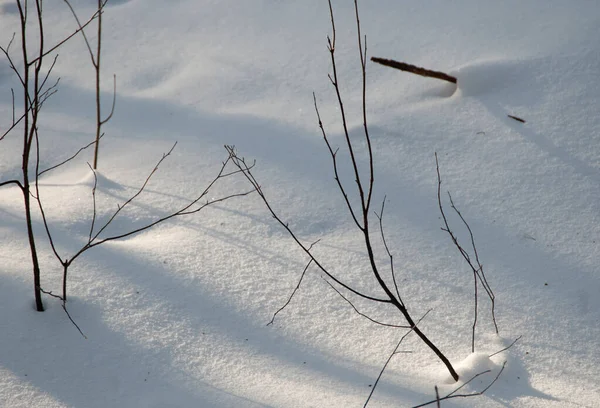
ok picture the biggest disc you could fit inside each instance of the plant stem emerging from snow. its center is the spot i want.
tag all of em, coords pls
(364, 188)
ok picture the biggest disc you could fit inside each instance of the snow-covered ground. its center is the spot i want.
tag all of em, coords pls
(176, 316)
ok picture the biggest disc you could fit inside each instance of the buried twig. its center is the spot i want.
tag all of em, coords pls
(516, 118)
(413, 69)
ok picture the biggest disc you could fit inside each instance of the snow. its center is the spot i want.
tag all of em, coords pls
(176, 316)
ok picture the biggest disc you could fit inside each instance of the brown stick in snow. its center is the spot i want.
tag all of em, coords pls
(413, 69)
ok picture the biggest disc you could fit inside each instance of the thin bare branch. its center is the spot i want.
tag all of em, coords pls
(140, 190)
(240, 163)
(93, 203)
(64, 306)
(363, 58)
(387, 250)
(473, 394)
(333, 154)
(479, 269)
(336, 86)
(293, 292)
(362, 314)
(114, 100)
(392, 354)
(70, 158)
(17, 182)
(507, 347)
(64, 40)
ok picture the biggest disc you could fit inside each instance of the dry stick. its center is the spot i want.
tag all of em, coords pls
(390, 358)
(413, 69)
(473, 394)
(296, 288)
(516, 118)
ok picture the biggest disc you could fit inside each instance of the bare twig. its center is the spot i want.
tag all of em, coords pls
(296, 288)
(387, 250)
(473, 394)
(507, 347)
(413, 69)
(390, 358)
(360, 216)
(246, 171)
(69, 158)
(478, 274)
(362, 314)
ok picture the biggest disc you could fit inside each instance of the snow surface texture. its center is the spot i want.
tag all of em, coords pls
(175, 316)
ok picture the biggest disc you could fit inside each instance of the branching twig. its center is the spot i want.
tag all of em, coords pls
(364, 189)
(387, 250)
(362, 314)
(241, 164)
(478, 274)
(390, 358)
(473, 394)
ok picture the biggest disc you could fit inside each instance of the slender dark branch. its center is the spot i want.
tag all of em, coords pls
(49, 293)
(64, 306)
(14, 125)
(343, 115)
(393, 353)
(387, 250)
(114, 100)
(70, 158)
(12, 93)
(11, 63)
(98, 12)
(39, 199)
(240, 163)
(507, 347)
(95, 241)
(362, 314)
(73, 34)
(140, 190)
(295, 289)
(473, 394)
(41, 90)
(333, 154)
(17, 182)
(479, 269)
(363, 58)
(465, 255)
(93, 203)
